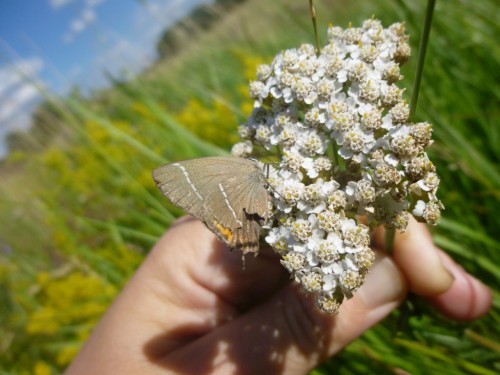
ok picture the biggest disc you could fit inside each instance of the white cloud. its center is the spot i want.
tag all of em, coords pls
(14, 74)
(17, 99)
(8, 81)
(18, 95)
(56, 4)
(86, 18)
(77, 26)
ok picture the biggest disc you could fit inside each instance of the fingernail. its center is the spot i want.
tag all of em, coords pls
(384, 284)
(450, 269)
(450, 274)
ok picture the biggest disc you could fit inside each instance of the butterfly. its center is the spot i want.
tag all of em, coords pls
(228, 194)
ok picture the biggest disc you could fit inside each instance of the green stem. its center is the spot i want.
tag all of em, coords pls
(421, 56)
(389, 240)
(315, 27)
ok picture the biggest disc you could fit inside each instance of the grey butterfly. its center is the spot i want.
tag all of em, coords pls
(229, 194)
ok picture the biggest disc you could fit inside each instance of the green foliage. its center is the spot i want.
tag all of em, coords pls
(79, 210)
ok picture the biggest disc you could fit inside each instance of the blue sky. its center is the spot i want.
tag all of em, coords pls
(62, 43)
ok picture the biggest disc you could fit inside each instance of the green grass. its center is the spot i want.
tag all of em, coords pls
(82, 208)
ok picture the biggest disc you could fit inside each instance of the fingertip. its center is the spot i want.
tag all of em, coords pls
(467, 298)
(419, 259)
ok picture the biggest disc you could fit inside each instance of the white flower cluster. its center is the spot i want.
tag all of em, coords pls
(340, 128)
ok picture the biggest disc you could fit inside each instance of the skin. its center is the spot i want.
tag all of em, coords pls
(194, 308)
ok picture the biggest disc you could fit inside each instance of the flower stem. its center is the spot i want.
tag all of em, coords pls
(315, 27)
(421, 57)
(389, 240)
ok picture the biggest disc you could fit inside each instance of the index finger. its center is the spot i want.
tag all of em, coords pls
(419, 259)
(433, 274)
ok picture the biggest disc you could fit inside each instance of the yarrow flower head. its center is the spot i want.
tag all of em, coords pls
(347, 148)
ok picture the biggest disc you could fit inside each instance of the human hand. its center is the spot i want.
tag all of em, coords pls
(192, 308)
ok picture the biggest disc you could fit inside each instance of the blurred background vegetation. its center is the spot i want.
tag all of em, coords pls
(79, 210)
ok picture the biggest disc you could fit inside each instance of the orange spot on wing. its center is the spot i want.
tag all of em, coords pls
(225, 232)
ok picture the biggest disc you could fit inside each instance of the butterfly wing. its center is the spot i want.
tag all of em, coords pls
(227, 193)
